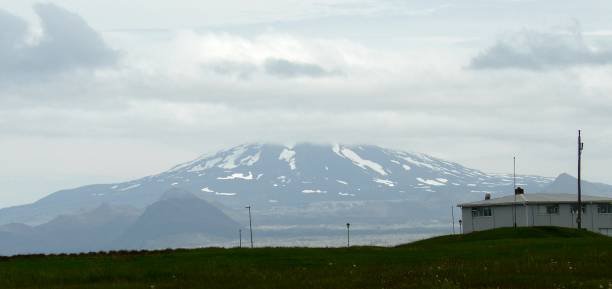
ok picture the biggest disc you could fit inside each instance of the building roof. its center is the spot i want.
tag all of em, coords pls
(539, 198)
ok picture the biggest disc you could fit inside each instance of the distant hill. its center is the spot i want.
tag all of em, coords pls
(566, 183)
(174, 221)
(179, 219)
(89, 231)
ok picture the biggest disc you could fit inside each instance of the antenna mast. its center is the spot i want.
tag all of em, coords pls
(580, 147)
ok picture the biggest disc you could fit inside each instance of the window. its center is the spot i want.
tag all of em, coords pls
(604, 208)
(481, 212)
(548, 209)
(575, 209)
(606, 231)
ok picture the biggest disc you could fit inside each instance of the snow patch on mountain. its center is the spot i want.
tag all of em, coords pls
(336, 149)
(357, 160)
(229, 162)
(207, 165)
(288, 156)
(387, 183)
(130, 187)
(237, 176)
(417, 163)
(346, 194)
(430, 182)
(225, 194)
(314, 192)
(251, 160)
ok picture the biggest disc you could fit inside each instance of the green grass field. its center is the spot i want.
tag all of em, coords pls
(503, 258)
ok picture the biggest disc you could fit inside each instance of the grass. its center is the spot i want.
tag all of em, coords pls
(503, 258)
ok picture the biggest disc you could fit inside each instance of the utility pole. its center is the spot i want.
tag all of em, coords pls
(580, 147)
(514, 190)
(240, 238)
(250, 225)
(453, 215)
(348, 235)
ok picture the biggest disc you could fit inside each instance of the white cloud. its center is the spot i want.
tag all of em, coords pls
(66, 42)
(538, 50)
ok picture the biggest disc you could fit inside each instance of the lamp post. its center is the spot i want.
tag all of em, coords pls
(240, 238)
(460, 227)
(348, 235)
(250, 224)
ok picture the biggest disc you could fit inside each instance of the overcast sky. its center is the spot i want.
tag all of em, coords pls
(98, 91)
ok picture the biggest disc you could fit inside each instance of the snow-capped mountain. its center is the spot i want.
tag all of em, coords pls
(276, 177)
(272, 174)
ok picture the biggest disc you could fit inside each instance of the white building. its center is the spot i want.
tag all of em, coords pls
(538, 210)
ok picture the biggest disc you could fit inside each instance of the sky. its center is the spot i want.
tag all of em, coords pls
(98, 91)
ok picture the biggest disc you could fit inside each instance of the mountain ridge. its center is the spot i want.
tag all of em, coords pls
(179, 219)
(565, 180)
(271, 176)
(303, 193)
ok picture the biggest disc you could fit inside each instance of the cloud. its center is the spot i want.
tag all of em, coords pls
(67, 42)
(536, 50)
(277, 67)
(193, 55)
(187, 91)
(13, 29)
(286, 68)
(243, 70)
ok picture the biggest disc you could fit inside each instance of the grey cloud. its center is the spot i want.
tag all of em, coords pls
(12, 32)
(242, 70)
(67, 43)
(272, 66)
(534, 50)
(285, 68)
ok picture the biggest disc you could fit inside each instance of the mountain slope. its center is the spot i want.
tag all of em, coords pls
(271, 176)
(89, 231)
(565, 183)
(179, 215)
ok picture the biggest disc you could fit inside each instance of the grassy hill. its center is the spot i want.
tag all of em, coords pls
(503, 258)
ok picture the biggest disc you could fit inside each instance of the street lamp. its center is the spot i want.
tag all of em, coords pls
(348, 235)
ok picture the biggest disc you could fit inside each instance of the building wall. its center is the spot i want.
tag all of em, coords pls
(532, 215)
(602, 223)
